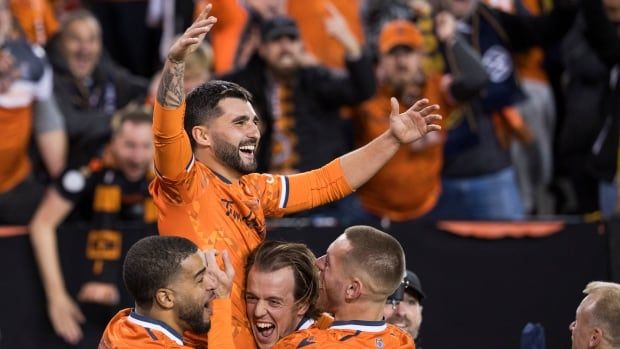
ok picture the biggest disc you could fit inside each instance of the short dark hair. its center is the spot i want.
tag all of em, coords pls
(151, 263)
(201, 103)
(379, 255)
(133, 112)
(78, 15)
(271, 256)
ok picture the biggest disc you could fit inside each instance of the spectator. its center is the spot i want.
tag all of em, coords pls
(36, 18)
(410, 183)
(237, 37)
(533, 160)
(176, 288)
(597, 320)
(479, 180)
(91, 86)
(586, 84)
(282, 287)
(404, 306)
(108, 194)
(360, 269)
(300, 104)
(27, 108)
(125, 34)
(205, 157)
(319, 23)
(602, 22)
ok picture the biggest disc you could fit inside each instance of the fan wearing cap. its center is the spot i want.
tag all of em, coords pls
(404, 306)
(409, 185)
(299, 101)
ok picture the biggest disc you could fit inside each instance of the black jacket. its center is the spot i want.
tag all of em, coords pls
(604, 37)
(318, 95)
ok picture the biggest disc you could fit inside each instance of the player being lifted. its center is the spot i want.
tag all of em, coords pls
(205, 148)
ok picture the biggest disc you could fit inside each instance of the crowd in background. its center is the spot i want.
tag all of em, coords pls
(528, 91)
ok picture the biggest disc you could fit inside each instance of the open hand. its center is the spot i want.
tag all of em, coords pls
(337, 27)
(193, 36)
(415, 122)
(66, 317)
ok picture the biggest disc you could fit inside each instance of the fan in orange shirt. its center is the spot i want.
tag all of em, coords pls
(360, 269)
(205, 150)
(176, 287)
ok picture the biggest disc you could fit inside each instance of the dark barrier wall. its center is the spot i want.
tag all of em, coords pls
(481, 293)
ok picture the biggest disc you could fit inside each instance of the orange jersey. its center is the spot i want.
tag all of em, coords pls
(127, 329)
(409, 184)
(349, 334)
(322, 322)
(310, 17)
(196, 203)
(36, 18)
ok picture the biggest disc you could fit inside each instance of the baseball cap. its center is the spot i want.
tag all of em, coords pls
(277, 27)
(412, 284)
(399, 33)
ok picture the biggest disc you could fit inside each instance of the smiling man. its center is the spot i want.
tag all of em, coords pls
(175, 291)
(281, 291)
(205, 153)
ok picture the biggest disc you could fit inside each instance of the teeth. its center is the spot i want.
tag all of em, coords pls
(264, 325)
(248, 147)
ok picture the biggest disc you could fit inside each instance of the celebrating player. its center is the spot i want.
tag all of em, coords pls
(205, 155)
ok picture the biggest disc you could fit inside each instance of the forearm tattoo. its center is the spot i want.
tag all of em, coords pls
(170, 93)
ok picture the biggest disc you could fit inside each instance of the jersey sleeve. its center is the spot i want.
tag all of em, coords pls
(221, 332)
(289, 194)
(173, 152)
(174, 161)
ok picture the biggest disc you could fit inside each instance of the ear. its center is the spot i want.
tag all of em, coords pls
(302, 308)
(354, 290)
(164, 298)
(201, 135)
(595, 338)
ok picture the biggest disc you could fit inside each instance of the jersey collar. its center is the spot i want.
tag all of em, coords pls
(156, 325)
(359, 325)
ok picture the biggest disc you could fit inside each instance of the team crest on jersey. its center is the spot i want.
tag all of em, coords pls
(379, 343)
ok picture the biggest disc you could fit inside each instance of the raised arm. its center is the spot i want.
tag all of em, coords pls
(360, 165)
(172, 147)
(349, 172)
(221, 332)
(63, 312)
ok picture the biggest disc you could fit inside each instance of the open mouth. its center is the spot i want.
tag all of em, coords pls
(265, 331)
(247, 151)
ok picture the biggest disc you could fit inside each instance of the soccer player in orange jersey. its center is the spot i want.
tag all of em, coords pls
(282, 288)
(361, 268)
(176, 288)
(205, 149)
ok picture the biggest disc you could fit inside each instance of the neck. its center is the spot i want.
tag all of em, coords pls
(215, 165)
(165, 316)
(360, 310)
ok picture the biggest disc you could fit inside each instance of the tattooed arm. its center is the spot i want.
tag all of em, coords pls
(173, 152)
(170, 93)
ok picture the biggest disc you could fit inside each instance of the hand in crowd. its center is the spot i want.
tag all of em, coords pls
(415, 122)
(336, 26)
(421, 8)
(99, 292)
(66, 318)
(193, 36)
(445, 27)
(222, 279)
(9, 72)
